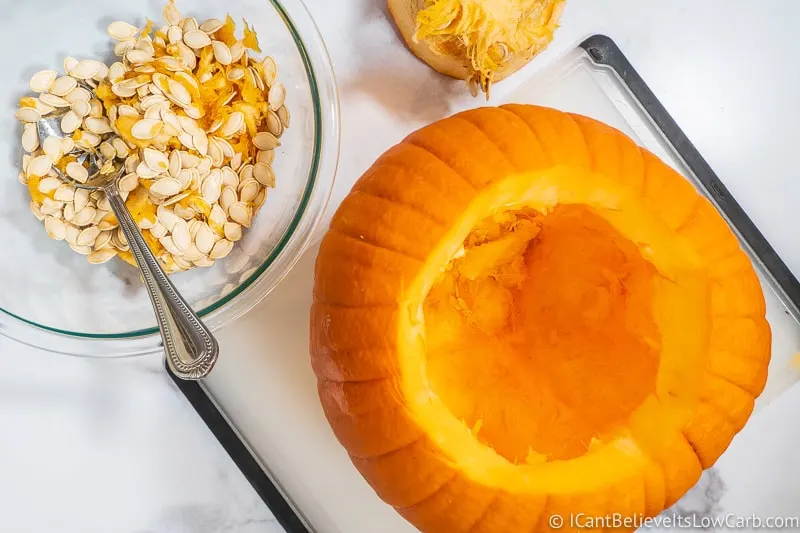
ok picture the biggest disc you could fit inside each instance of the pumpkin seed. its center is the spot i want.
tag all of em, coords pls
(166, 217)
(138, 57)
(171, 13)
(99, 126)
(144, 171)
(237, 51)
(177, 198)
(229, 178)
(85, 70)
(88, 236)
(30, 138)
(232, 124)
(70, 122)
(241, 213)
(96, 111)
(146, 129)
(265, 156)
(265, 141)
(122, 31)
(196, 38)
(200, 141)
(166, 186)
(270, 71)
(64, 193)
(103, 204)
(174, 34)
(36, 210)
(107, 225)
(82, 250)
(82, 108)
(169, 245)
(256, 79)
(107, 150)
(120, 147)
(63, 86)
(42, 81)
(187, 56)
(221, 249)
(264, 174)
(27, 114)
(85, 216)
(99, 257)
(249, 191)
(233, 231)
(116, 72)
(81, 199)
(215, 152)
(181, 237)
(156, 160)
(48, 185)
(228, 197)
(72, 233)
(277, 96)
(189, 160)
(55, 228)
(39, 166)
(103, 240)
(222, 53)
(274, 124)
(212, 187)
(236, 73)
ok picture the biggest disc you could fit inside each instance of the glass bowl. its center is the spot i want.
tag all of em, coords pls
(51, 297)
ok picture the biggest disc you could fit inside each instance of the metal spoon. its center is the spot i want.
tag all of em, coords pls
(191, 349)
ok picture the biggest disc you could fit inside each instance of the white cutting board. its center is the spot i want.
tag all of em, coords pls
(268, 391)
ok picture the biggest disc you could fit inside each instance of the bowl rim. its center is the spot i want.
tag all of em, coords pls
(318, 67)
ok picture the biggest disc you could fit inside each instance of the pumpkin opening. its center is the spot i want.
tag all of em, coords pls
(540, 334)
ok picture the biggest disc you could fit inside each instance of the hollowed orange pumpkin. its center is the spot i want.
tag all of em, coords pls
(519, 313)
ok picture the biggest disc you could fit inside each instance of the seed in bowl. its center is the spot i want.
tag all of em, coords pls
(190, 115)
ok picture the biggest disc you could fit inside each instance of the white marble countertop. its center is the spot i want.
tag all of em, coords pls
(110, 445)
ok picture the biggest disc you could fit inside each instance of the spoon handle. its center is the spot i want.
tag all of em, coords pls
(190, 347)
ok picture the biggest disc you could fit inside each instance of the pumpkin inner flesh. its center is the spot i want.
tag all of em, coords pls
(541, 336)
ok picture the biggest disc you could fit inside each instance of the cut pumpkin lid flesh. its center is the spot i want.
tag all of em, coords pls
(551, 313)
(481, 40)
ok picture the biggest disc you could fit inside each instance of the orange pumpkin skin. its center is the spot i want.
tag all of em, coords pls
(400, 226)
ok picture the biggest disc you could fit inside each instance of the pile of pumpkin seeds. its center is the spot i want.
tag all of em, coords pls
(190, 115)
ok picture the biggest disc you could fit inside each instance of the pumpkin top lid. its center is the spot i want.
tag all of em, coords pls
(487, 32)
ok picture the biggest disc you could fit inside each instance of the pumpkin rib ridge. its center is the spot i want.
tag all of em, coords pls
(585, 142)
(516, 117)
(491, 141)
(390, 164)
(550, 156)
(584, 123)
(415, 144)
(388, 452)
(376, 245)
(373, 245)
(324, 380)
(485, 512)
(528, 166)
(410, 207)
(547, 156)
(432, 494)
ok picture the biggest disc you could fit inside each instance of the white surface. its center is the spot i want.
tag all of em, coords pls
(97, 446)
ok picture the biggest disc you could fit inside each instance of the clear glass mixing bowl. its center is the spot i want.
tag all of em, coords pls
(50, 297)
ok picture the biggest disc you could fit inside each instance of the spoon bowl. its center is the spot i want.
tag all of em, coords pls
(190, 347)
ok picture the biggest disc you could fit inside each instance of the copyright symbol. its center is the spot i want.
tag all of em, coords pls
(556, 521)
